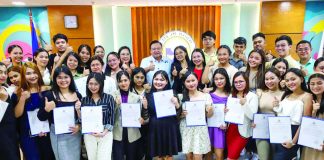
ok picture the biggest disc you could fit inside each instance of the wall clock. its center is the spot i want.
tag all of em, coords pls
(71, 21)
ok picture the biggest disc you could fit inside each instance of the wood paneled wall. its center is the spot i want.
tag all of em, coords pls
(150, 23)
(81, 35)
(278, 18)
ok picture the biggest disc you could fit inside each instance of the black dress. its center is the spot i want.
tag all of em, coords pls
(8, 135)
(164, 133)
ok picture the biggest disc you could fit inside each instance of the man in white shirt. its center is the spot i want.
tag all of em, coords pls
(156, 61)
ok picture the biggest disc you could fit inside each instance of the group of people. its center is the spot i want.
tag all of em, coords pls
(262, 83)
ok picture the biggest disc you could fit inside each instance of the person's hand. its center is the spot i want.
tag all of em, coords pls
(3, 94)
(184, 113)
(282, 84)
(141, 120)
(175, 101)
(287, 144)
(226, 109)
(75, 129)
(132, 66)
(316, 105)
(206, 89)
(253, 125)
(86, 72)
(6, 62)
(78, 108)
(144, 102)
(25, 94)
(147, 87)
(56, 59)
(41, 134)
(151, 66)
(242, 100)
(174, 72)
(118, 100)
(209, 110)
(275, 102)
(125, 66)
(100, 134)
(49, 105)
(304, 71)
(223, 127)
(69, 49)
(211, 63)
(183, 71)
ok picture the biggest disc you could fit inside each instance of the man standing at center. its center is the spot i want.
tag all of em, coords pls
(156, 61)
(210, 51)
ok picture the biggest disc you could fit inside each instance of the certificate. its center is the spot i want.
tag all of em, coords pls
(311, 133)
(81, 85)
(91, 117)
(63, 119)
(3, 109)
(163, 105)
(196, 113)
(37, 126)
(218, 117)
(235, 112)
(131, 113)
(279, 129)
(261, 130)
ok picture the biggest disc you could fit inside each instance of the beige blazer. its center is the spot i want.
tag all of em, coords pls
(133, 133)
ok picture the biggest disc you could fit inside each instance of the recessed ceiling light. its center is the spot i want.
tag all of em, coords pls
(18, 3)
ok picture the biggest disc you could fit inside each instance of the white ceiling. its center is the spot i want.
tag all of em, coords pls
(125, 2)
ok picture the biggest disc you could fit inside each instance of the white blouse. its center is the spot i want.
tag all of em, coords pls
(292, 108)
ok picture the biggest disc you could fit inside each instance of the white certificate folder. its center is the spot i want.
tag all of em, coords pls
(261, 130)
(63, 119)
(91, 117)
(235, 112)
(311, 133)
(279, 129)
(163, 105)
(196, 114)
(131, 114)
(37, 126)
(218, 116)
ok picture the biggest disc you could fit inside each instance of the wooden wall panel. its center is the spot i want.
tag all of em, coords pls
(81, 35)
(278, 18)
(150, 23)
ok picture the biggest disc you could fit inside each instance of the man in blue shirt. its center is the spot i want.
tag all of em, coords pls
(238, 60)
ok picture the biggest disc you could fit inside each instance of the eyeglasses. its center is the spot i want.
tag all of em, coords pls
(303, 49)
(239, 82)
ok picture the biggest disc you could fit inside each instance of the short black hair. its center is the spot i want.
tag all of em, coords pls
(60, 36)
(240, 40)
(259, 34)
(302, 42)
(284, 37)
(155, 41)
(225, 47)
(208, 33)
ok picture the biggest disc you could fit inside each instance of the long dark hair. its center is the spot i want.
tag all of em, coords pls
(185, 91)
(88, 48)
(56, 89)
(134, 72)
(79, 69)
(277, 60)
(165, 76)
(184, 49)
(321, 76)
(303, 86)
(192, 65)
(100, 80)
(261, 68)
(246, 90)
(227, 87)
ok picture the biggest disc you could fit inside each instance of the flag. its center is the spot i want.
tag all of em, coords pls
(34, 39)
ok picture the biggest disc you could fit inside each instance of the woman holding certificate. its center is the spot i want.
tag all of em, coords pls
(221, 90)
(179, 67)
(164, 134)
(8, 133)
(237, 135)
(28, 99)
(316, 86)
(60, 109)
(294, 102)
(269, 92)
(127, 135)
(99, 144)
(195, 138)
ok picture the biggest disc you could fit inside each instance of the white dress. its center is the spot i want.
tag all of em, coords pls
(195, 139)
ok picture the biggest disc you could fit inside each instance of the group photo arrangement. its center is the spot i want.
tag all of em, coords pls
(228, 81)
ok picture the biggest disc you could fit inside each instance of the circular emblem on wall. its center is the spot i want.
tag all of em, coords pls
(172, 39)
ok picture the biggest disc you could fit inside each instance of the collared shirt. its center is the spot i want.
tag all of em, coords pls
(237, 63)
(209, 57)
(164, 64)
(108, 105)
(309, 66)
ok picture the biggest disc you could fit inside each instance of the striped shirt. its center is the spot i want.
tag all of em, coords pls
(108, 105)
